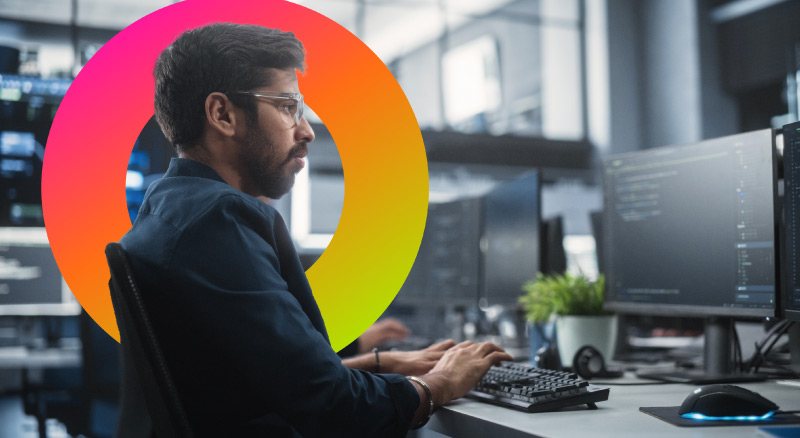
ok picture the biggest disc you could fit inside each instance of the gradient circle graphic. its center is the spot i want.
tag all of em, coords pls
(380, 145)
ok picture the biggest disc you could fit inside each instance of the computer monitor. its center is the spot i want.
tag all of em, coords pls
(478, 250)
(445, 271)
(791, 258)
(690, 231)
(30, 282)
(27, 108)
(510, 245)
(20, 179)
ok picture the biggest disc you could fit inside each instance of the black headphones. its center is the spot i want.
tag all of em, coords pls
(588, 363)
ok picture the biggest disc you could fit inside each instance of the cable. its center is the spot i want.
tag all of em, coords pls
(784, 329)
(757, 353)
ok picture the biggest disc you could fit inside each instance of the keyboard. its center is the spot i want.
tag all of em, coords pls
(529, 389)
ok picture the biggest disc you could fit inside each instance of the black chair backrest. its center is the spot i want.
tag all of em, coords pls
(141, 350)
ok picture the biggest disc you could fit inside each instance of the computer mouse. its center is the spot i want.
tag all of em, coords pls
(725, 402)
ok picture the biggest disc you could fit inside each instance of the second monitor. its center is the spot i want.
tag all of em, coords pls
(690, 231)
(479, 248)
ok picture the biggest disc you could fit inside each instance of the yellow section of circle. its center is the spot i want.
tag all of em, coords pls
(383, 217)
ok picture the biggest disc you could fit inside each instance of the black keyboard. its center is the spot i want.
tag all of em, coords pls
(535, 389)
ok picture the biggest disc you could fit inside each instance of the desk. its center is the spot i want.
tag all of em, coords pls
(619, 416)
(25, 358)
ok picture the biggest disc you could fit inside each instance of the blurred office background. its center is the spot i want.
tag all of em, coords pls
(500, 89)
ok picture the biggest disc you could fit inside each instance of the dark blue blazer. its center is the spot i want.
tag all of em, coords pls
(239, 325)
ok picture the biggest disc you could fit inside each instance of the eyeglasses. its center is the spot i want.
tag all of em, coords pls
(293, 110)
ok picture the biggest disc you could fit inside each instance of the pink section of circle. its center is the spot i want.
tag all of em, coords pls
(111, 100)
(108, 105)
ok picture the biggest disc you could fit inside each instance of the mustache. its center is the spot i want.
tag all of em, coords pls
(299, 150)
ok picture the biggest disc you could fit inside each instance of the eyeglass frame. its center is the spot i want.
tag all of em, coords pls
(297, 97)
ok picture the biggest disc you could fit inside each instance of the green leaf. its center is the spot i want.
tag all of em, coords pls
(562, 294)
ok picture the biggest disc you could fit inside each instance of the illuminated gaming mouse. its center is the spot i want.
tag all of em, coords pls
(726, 402)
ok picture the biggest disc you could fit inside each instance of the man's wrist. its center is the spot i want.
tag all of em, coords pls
(440, 386)
(429, 402)
(377, 360)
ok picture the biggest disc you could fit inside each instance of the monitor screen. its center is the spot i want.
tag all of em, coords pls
(791, 258)
(17, 144)
(511, 239)
(28, 106)
(690, 230)
(20, 179)
(30, 282)
(445, 271)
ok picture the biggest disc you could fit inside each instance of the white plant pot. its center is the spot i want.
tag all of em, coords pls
(574, 332)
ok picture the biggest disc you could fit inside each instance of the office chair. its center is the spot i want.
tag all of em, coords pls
(141, 351)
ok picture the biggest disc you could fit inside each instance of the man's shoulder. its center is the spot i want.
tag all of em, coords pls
(189, 210)
(183, 200)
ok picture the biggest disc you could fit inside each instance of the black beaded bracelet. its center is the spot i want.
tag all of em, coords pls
(377, 360)
(430, 400)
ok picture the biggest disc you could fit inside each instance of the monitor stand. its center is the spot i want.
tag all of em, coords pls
(717, 361)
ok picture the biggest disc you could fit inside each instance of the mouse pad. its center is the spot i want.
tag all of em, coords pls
(670, 415)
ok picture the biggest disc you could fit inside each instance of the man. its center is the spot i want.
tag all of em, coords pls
(240, 328)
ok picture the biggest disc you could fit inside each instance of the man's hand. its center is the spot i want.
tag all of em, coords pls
(463, 366)
(413, 363)
(458, 371)
(380, 332)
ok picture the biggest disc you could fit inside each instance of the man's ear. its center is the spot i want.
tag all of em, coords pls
(221, 115)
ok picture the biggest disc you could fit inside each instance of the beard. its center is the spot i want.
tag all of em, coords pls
(264, 172)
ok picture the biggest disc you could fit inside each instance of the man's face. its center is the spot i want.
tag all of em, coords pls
(273, 149)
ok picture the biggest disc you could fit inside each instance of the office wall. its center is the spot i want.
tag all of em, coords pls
(670, 72)
(625, 88)
(664, 75)
(418, 74)
(518, 37)
(655, 81)
(598, 64)
(719, 108)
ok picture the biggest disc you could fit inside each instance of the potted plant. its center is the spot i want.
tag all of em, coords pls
(576, 305)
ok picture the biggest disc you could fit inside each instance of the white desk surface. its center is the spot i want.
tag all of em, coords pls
(619, 416)
(21, 357)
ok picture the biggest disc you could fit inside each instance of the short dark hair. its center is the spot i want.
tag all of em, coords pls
(220, 57)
